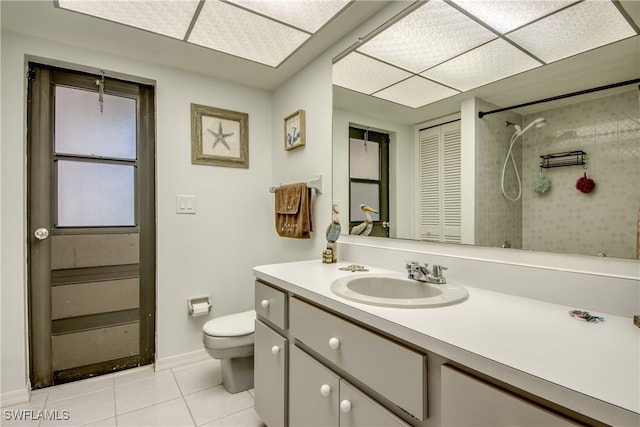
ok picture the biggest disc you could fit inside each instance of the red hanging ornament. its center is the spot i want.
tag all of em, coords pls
(586, 185)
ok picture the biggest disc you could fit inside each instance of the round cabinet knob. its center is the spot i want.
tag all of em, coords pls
(334, 343)
(325, 390)
(264, 303)
(275, 350)
(345, 406)
(41, 233)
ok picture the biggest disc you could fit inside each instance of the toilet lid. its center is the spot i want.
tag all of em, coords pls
(231, 325)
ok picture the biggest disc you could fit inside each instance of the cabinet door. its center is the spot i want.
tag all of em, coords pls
(270, 359)
(396, 372)
(358, 410)
(314, 392)
(469, 401)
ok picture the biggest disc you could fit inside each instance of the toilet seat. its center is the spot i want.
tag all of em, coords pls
(232, 325)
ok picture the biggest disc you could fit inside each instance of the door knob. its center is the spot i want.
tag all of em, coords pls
(334, 343)
(275, 350)
(41, 233)
(264, 303)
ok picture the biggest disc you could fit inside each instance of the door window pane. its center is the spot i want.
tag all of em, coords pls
(81, 129)
(364, 193)
(364, 159)
(95, 194)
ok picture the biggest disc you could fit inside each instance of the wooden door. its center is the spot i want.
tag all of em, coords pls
(91, 225)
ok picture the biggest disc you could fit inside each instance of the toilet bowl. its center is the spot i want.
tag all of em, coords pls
(230, 339)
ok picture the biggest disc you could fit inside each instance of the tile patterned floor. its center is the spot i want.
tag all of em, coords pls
(188, 396)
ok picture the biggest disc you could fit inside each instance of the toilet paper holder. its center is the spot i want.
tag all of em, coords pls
(196, 306)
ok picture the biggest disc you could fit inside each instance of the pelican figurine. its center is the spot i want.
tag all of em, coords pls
(333, 231)
(364, 229)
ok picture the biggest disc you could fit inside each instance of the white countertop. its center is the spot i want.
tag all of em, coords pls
(517, 338)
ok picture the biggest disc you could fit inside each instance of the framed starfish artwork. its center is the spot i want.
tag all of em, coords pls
(219, 137)
(294, 130)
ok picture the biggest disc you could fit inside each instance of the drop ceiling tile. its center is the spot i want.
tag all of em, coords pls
(579, 28)
(415, 92)
(238, 32)
(169, 18)
(485, 64)
(363, 74)
(306, 15)
(507, 15)
(431, 34)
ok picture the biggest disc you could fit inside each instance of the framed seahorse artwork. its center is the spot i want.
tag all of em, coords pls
(294, 130)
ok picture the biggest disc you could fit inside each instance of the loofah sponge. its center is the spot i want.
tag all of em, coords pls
(585, 184)
(541, 184)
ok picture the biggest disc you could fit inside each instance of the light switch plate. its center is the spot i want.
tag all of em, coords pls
(186, 204)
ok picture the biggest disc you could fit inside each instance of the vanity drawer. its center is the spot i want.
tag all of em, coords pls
(396, 372)
(271, 305)
(470, 401)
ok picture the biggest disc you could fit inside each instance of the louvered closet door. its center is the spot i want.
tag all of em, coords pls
(440, 183)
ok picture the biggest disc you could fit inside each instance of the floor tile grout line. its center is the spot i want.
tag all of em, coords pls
(160, 402)
(152, 404)
(115, 401)
(184, 400)
(231, 414)
(149, 406)
(112, 383)
(44, 405)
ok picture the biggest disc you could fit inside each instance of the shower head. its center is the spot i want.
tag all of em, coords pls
(538, 123)
(513, 125)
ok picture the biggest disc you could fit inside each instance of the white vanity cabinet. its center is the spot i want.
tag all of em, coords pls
(467, 400)
(430, 367)
(319, 397)
(270, 355)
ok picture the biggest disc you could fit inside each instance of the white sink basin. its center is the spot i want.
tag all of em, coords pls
(397, 291)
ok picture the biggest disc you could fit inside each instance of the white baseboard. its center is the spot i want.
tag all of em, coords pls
(16, 397)
(181, 359)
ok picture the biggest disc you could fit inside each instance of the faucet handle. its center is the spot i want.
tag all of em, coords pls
(437, 270)
(411, 265)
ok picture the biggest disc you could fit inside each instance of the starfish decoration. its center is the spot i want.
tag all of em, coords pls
(220, 136)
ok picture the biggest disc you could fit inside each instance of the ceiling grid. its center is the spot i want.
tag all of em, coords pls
(466, 44)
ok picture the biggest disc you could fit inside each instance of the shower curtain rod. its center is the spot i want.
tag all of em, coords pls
(481, 114)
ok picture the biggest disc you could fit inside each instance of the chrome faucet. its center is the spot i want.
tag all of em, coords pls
(422, 273)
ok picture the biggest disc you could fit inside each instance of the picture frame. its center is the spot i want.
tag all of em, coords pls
(219, 137)
(294, 130)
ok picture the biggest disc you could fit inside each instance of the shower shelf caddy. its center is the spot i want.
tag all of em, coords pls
(568, 158)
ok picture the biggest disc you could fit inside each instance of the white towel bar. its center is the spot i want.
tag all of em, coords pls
(315, 183)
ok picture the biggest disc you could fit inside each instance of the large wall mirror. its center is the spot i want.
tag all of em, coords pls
(474, 158)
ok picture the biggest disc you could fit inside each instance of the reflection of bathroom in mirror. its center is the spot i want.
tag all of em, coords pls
(449, 146)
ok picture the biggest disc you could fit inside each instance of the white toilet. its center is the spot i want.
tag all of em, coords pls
(230, 339)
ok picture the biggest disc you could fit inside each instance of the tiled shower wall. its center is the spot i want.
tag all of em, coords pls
(605, 220)
(497, 219)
